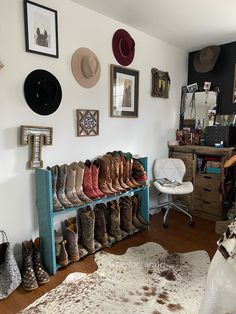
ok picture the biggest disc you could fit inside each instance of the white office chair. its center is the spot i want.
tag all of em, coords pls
(172, 169)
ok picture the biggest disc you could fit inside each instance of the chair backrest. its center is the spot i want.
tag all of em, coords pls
(170, 168)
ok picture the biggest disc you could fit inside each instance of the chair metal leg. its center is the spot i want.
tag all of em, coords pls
(182, 210)
(165, 216)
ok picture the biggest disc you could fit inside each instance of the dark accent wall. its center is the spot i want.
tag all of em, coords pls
(222, 75)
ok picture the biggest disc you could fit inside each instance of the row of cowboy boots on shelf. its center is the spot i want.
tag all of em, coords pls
(98, 228)
(33, 271)
(80, 183)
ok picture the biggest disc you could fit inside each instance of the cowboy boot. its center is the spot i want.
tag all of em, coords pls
(133, 181)
(79, 168)
(61, 253)
(40, 273)
(87, 181)
(73, 220)
(126, 216)
(70, 187)
(114, 219)
(29, 281)
(54, 174)
(138, 211)
(102, 183)
(117, 173)
(87, 219)
(127, 169)
(139, 174)
(135, 221)
(121, 171)
(114, 171)
(126, 173)
(70, 233)
(95, 173)
(100, 230)
(108, 175)
(61, 186)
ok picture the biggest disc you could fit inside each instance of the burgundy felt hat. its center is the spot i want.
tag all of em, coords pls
(123, 47)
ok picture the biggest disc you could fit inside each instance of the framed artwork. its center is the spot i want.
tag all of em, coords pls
(160, 83)
(41, 32)
(87, 122)
(234, 86)
(124, 91)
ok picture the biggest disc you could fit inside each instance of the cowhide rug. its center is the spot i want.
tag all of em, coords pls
(146, 279)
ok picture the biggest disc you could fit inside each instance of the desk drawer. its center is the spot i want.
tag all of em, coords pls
(209, 207)
(207, 194)
(209, 181)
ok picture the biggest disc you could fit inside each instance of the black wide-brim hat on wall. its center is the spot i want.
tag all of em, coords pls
(42, 92)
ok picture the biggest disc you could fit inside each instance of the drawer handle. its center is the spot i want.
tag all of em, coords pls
(207, 190)
(206, 202)
(207, 177)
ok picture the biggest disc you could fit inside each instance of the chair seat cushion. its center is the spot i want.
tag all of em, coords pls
(184, 188)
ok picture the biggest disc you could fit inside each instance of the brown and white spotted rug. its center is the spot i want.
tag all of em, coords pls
(146, 279)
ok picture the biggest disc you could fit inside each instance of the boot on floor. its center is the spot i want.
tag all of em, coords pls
(61, 253)
(100, 230)
(56, 204)
(114, 219)
(39, 270)
(61, 186)
(29, 281)
(87, 220)
(70, 187)
(87, 181)
(79, 168)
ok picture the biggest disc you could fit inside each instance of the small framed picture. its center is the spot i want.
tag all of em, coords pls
(124, 92)
(87, 122)
(160, 83)
(41, 31)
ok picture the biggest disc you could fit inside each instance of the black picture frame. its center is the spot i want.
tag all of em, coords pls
(124, 92)
(41, 29)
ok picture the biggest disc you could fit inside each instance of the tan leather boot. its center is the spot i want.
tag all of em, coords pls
(79, 168)
(108, 175)
(61, 186)
(70, 187)
(102, 178)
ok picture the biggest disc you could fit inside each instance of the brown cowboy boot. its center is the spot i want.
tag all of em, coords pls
(54, 174)
(108, 175)
(79, 168)
(70, 234)
(126, 216)
(126, 173)
(102, 183)
(61, 253)
(100, 230)
(131, 174)
(87, 219)
(29, 281)
(114, 171)
(135, 221)
(138, 212)
(121, 177)
(114, 219)
(61, 186)
(70, 187)
(40, 273)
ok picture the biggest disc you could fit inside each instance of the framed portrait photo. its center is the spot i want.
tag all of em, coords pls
(160, 83)
(41, 31)
(124, 92)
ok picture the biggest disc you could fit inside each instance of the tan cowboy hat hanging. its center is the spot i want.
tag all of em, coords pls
(85, 67)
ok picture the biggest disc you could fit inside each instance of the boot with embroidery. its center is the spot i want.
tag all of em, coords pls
(39, 270)
(114, 219)
(95, 173)
(29, 281)
(108, 170)
(70, 187)
(79, 168)
(87, 220)
(100, 230)
(87, 181)
(54, 173)
(102, 183)
(70, 234)
(121, 172)
(61, 186)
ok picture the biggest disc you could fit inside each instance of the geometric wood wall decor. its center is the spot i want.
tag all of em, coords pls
(87, 122)
(36, 137)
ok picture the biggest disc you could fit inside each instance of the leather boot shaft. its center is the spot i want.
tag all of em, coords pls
(29, 281)
(87, 219)
(70, 187)
(54, 174)
(79, 168)
(114, 219)
(39, 270)
(61, 186)
(95, 174)
(70, 234)
(102, 183)
(100, 231)
(87, 181)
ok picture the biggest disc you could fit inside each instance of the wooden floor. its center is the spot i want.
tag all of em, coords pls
(179, 237)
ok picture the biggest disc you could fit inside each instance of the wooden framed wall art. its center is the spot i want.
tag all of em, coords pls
(160, 83)
(41, 31)
(124, 92)
(87, 122)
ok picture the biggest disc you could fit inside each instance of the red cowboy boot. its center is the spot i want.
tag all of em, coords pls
(87, 181)
(95, 172)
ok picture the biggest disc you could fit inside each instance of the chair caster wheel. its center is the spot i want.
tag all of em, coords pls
(192, 224)
(165, 225)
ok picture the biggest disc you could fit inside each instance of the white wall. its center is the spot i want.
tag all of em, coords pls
(78, 27)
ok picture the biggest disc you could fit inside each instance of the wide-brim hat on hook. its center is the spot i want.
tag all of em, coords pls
(205, 59)
(85, 67)
(42, 92)
(123, 47)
